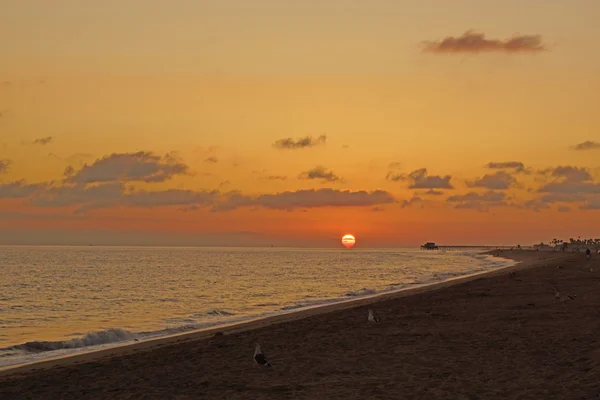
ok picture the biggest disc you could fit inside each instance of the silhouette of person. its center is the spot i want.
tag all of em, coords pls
(588, 253)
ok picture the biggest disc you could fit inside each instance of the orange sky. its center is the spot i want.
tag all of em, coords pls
(293, 123)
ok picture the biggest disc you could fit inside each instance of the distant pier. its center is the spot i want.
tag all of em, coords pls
(483, 247)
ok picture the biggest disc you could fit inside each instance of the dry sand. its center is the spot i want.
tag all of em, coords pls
(492, 337)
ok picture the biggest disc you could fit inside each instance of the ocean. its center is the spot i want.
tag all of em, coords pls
(60, 300)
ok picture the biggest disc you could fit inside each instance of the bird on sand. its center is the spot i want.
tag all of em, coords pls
(372, 317)
(259, 356)
(557, 295)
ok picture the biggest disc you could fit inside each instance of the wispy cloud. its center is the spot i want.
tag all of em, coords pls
(311, 198)
(516, 165)
(475, 42)
(478, 201)
(4, 164)
(301, 143)
(413, 200)
(43, 141)
(587, 145)
(275, 178)
(320, 173)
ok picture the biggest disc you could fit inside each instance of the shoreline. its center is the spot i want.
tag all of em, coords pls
(118, 350)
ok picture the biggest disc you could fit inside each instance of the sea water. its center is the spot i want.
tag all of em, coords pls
(61, 300)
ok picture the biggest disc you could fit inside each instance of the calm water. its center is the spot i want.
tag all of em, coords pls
(57, 300)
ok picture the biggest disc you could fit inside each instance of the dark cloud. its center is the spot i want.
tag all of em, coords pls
(569, 179)
(43, 141)
(421, 180)
(498, 181)
(307, 199)
(140, 166)
(479, 201)
(474, 42)
(211, 160)
(116, 194)
(19, 190)
(301, 143)
(587, 145)
(516, 165)
(571, 187)
(570, 173)
(4, 164)
(320, 173)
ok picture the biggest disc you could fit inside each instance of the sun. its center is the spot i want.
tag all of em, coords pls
(348, 241)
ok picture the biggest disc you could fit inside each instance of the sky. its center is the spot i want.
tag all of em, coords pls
(292, 123)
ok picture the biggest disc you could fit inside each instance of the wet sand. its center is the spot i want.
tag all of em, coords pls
(501, 336)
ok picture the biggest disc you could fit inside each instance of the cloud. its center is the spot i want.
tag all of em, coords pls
(18, 190)
(421, 180)
(474, 42)
(535, 205)
(587, 145)
(431, 192)
(516, 165)
(564, 209)
(77, 158)
(310, 198)
(570, 173)
(321, 173)
(140, 166)
(300, 143)
(393, 174)
(569, 179)
(211, 160)
(4, 164)
(411, 201)
(479, 201)
(115, 194)
(43, 141)
(593, 204)
(275, 178)
(498, 181)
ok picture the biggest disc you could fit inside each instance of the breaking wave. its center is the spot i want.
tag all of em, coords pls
(91, 339)
(361, 292)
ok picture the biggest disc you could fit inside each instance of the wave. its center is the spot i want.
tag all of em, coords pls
(360, 292)
(90, 339)
(219, 313)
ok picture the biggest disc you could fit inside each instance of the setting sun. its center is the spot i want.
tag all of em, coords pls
(348, 241)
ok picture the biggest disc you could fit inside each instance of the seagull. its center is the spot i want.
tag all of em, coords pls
(557, 295)
(373, 317)
(259, 356)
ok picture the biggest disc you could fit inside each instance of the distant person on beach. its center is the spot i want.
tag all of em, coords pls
(588, 253)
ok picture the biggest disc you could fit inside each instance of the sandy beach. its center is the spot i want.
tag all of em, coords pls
(498, 336)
